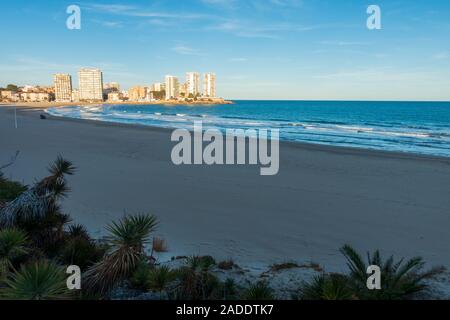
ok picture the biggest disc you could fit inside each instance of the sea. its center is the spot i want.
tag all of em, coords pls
(411, 127)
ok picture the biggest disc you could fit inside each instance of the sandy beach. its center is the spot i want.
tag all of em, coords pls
(322, 198)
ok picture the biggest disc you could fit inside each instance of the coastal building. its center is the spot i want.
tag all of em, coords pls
(63, 87)
(90, 84)
(209, 85)
(158, 87)
(35, 96)
(183, 91)
(192, 84)
(115, 96)
(137, 93)
(75, 95)
(172, 87)
(6, 95)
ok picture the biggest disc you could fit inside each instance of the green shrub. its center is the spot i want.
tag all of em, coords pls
(259, 291)
(140, 279)
(399, 280)
(10, 190)
(41, 280)
(327, 287)
(13, 246)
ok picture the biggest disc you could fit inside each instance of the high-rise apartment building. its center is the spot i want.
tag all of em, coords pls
(209, 85)
(172, 87)
(90, 84)
(158, 86)
(192, 83)
(137, 93)
(63, 87)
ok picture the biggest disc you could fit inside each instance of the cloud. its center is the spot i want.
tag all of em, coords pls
(132, 11)
(185, 50)
(287, 3)
(109, 24)
(249, 30)
(441, 56)
(238, 59)
(343, 43)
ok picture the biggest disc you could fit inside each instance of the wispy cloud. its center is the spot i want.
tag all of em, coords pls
(109, 24)
(441, 56)
(343, 43)
(133, 11)
(252, 30)
(186, 50)
(238, 59)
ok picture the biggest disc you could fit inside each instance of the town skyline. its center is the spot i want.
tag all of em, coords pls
(284, 49)
(92, 88)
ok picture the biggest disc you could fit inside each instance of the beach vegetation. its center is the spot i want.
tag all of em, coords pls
(40, 280)
(400, 279)
(283, 266)
(259, 291)
(140, 278)
(327, 287)
(226, 264)
(159, 245)
(9, 190)
(13, 246)
(127, 239)
(38, 241)
(160, 278)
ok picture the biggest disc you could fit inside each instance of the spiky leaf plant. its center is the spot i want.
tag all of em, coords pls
(13, 245)
(160, 278)
(140, 278)
(41, 199)
(327, 287)
(399, 279)
(259, 291)
(41, 280)
(126, 239)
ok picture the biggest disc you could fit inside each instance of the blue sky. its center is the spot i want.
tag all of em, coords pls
(260, 49)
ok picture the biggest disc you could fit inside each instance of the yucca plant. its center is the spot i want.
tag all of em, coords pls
(160, 278)
(9, 190)
(259, 291)
(41, 280)
(201, 263)
(126, 239)
(13, 245)
(399, 280)
(41, 199)
(141, 276)
(196, 284)
(327, 287)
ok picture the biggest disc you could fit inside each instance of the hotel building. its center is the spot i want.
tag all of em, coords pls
(158, 86)
(209, 85)
(172, 87)
(90, 84)
(192, 83)
(63, 87)
(137, 93)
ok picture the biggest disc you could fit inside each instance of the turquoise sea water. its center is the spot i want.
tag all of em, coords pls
(417, 127)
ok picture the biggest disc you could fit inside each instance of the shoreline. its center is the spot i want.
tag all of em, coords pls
(299, 144)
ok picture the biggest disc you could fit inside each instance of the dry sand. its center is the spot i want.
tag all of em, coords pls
(322, 197)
